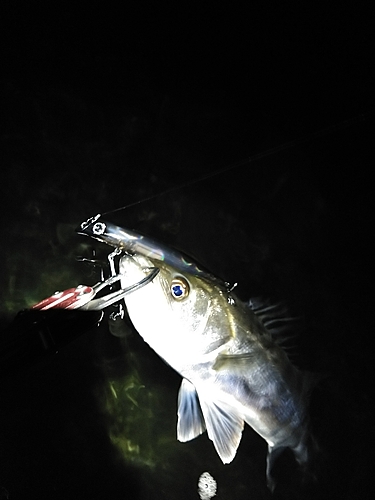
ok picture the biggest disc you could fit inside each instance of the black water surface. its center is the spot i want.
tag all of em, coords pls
(103, 106)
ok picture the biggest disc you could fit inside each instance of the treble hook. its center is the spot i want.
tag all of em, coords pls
(107, 300)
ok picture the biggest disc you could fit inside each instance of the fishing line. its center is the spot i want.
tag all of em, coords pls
(258, 156)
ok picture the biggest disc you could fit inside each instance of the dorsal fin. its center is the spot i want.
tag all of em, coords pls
(276, 319)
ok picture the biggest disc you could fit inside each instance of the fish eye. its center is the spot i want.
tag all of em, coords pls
(179, 288)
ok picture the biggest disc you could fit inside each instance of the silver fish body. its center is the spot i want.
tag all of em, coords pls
(233, 371)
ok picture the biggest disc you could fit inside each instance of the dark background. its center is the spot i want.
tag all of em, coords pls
(105, 105)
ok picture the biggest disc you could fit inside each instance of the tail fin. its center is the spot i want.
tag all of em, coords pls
(305, 453)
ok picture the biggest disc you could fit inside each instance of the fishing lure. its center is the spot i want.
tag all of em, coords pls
(83, 297)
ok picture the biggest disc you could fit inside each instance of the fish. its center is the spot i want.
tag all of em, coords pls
(233, 370)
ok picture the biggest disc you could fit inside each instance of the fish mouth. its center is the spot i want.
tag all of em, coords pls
(135, 269)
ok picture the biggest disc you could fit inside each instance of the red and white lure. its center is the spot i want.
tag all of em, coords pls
(72, 298)
(83, 297)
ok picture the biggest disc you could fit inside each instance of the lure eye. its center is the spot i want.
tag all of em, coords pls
(179, 288)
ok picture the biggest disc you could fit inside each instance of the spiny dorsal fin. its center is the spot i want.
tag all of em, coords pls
(277, 320)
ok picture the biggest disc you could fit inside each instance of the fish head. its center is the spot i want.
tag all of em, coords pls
(180, 315)
(183, 313)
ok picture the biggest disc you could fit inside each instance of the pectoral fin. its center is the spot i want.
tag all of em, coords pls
(190, 419)
(224, 424)
(224, 427)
